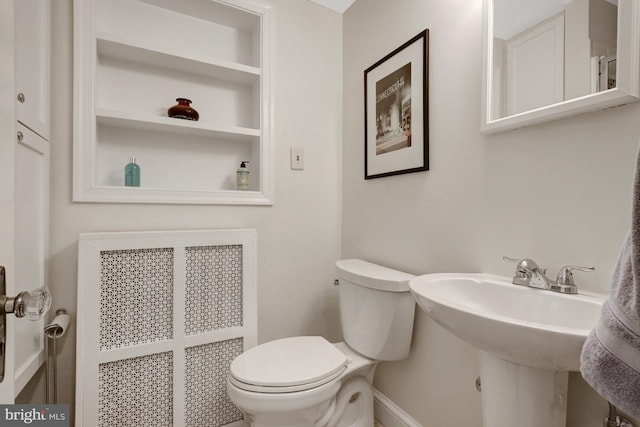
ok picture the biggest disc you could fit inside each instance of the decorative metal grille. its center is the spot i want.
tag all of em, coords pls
(136, 297)
(136, 392)
(213, 288)
(206, 400)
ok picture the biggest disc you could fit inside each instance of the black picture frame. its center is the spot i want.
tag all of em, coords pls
(396, 111)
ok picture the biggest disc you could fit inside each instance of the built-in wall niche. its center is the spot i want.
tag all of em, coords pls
(133, 59)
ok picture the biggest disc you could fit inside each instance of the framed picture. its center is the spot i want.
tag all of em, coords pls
(396, 111)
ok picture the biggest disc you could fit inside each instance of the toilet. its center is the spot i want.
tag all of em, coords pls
(309, 382)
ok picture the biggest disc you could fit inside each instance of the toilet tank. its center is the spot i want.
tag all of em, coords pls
(376, 309)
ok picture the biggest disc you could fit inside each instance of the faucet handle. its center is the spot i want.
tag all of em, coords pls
(565, 276)
(565, 283)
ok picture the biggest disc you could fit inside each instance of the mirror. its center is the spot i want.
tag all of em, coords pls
(547, 59)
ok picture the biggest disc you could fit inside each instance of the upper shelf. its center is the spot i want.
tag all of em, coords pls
(176, 126)
(219, 13)
(124, 48)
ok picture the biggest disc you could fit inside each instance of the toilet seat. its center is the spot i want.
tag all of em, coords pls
(288, 365)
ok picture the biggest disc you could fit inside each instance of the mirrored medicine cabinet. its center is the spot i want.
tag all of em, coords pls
(548, 59)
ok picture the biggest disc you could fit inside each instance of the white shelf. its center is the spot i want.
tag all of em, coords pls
(221, 13)
(144, 122)
(114, 194)
(126, 48)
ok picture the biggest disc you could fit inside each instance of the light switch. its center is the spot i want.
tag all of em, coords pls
(297, 158)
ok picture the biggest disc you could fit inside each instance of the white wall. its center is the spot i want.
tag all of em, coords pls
(298, 238)
(558, 193)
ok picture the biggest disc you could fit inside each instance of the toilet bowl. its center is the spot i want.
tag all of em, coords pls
(305, 394)
(309, 382)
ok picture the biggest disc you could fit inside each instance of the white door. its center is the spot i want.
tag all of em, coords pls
(24, 177)
(7, 174)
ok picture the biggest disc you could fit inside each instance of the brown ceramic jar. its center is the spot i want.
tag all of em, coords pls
(183, 110)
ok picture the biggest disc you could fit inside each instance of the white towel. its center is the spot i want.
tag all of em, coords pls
(610, 360)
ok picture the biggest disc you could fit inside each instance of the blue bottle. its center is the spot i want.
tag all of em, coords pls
(132, 174)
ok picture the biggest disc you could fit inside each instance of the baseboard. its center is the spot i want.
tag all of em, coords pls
(387, 412)
(390, 414)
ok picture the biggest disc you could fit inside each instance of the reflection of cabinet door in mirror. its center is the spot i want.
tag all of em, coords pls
(549, 59)
(535, 67)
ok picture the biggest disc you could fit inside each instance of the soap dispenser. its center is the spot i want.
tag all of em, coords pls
(132, 174)
(242, 176)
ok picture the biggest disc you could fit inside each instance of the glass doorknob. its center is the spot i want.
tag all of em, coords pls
(38, 303)
(34, 305)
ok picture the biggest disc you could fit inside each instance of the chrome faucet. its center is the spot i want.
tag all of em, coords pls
(528, 273)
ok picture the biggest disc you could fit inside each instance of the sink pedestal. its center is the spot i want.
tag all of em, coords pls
(519, 395)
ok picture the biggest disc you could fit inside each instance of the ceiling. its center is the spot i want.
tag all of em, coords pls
(339, 6)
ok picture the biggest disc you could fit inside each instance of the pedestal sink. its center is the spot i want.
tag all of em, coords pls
(528, 340)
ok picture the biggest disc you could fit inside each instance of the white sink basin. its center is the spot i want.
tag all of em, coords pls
(528, 340)
(527, 326)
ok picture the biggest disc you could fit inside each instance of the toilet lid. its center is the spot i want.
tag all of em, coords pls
(289, 364)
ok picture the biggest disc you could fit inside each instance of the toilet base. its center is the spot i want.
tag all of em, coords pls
(350, 406)
(353, 405)
(301, 418)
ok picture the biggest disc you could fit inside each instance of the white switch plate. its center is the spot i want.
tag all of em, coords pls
(297, 158)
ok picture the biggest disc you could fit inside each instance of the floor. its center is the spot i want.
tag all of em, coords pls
(376, 423)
